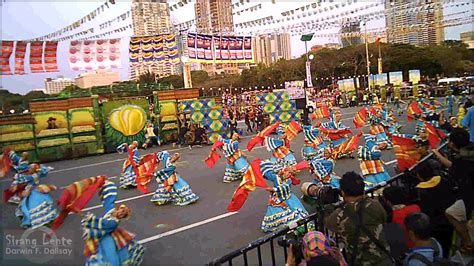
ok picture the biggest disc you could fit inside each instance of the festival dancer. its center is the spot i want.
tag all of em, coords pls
(450, 103)
(336, 131)
(397, 104)
(105, 242)
(280, 151)
(370, 163)
(378, 121)
(284, 207)
(313, 143)
(19, 163)
(237, 164)
(129, 168)
(322, 168)
(172, 188)
(36, 207)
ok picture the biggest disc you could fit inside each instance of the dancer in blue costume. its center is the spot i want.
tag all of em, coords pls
(284, 207)
(36, 207)
(335, 127)
(323, 169)
(313, 143)
(20, 164)
(172, 188)
(128, 175)
(237, 164)
(105, 242)
(370, 163)
(379, 122)
(280, 152)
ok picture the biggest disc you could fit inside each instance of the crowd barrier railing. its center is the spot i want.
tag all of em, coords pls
(271, 238)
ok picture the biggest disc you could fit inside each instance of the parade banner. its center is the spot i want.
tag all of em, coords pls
(414, 76)
(396, 78)
(50, 57)
(171, 49)
(20, 52)
(36, 57)
(134, 50)
(295, 89)
(309, 81)
(7, 49)
(219, 49)
(74, 55)
(88, 55)
(158, 48)
(147, 51)
(108, 54)
(381, 79)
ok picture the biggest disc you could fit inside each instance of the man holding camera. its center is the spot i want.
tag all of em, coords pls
(359, 223)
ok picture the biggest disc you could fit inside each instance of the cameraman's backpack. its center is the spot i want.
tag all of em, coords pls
(438, 260)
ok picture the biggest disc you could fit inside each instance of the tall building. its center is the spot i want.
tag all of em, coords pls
(214, 17)
(269, 48)
(152, 17)
(350, 27)
(412, 22)
(468, 38)
(97, 78)
(55, 86)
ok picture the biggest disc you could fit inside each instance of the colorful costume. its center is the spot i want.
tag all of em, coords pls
(323, 170)
(313, 143)
(19, 164)
(36, 207)
(336, 131)
(237, 165)
(284, 207)
(105, 242)
(280, 151)
(370, 163)
(450, 105)
(171, 186)
(129, 168)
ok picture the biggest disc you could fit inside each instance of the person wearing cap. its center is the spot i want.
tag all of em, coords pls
(280, 151)
(172, 188)
(105, 243)
(52, 123)
(283, 206)
(314, 144)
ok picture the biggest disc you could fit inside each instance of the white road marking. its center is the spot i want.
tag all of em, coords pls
(187, 227)
(391, 162)
(120, 201)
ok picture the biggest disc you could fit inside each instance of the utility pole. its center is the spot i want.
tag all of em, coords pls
(367, 54)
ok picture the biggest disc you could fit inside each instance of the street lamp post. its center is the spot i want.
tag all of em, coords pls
(367, 54)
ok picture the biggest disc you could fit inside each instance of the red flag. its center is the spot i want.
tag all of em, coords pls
(302, 165)
(261, 136)
(5, 163)
(435, 136)
(413, 109)
(145, 172)
(360, 118)
(76, 196)
(292, 130)
(348, 145)
(12, 191)
(252, 179)
(321, 112)
(406, 152)
(212, 159)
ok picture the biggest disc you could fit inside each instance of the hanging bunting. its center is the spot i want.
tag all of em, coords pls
(20, 52)
(36, 57)
(50, 57)
(134, 51)
(6, 52)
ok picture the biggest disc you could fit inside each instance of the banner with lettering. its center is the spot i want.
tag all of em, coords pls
(219, 49)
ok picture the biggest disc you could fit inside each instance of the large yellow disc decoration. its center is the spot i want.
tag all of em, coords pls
(128, 119)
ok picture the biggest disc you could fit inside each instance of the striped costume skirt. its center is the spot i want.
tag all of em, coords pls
(127, 178)
(35, 210)
(236, 171)
(180, 194)
(107, 254)
(278, 216)
(309, 153)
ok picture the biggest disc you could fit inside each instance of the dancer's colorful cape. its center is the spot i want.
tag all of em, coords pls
(435, 135)
(406, 152)
(360, 118)
(348, 146)
(292, 130)
(413, 110)
(369, 156)
(76, 196)
(261, 136)
(321, 112)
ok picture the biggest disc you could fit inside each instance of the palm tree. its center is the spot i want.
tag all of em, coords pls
(147, 78)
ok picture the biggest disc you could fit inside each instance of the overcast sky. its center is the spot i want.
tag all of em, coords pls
(22, 20)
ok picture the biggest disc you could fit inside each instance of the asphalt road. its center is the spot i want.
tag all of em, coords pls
(173, 235)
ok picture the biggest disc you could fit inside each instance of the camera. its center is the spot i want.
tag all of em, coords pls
(319, 194)
(297, 245)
